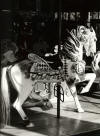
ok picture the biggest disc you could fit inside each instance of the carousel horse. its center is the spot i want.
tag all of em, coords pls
(96, 64)
(26, 73)
(73, 52)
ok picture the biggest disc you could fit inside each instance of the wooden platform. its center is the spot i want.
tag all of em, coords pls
(71, 123)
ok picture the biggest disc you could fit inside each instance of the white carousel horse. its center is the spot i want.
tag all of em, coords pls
(96, 64)
(26, 73)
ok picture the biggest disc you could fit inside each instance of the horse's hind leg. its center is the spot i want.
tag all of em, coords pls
(18, 107)
(24, 86)
(89, 77)
(23, 94)
(73, 91)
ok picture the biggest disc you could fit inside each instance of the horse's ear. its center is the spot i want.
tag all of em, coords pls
(91, 29)
(83, 29)
(74, 31)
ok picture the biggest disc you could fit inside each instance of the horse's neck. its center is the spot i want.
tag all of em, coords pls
(80, 56)
(79, 53)
(80, 47)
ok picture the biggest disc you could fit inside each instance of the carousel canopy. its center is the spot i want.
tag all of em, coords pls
(88, 5)
(50, 5)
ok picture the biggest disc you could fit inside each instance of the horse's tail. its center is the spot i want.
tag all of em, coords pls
(5, 101)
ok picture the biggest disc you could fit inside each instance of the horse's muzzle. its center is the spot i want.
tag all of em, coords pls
(92, 54)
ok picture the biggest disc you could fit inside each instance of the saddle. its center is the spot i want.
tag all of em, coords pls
(41, 70)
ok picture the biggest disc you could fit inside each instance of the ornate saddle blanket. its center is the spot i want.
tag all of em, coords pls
(41, 70)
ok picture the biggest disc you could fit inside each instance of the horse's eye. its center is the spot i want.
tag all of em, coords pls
(94, 39)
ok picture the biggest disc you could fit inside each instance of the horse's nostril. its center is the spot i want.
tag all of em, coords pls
(99, 64)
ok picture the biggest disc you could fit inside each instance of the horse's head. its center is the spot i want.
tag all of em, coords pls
(87, 38)
(8, 57)
(9, 50)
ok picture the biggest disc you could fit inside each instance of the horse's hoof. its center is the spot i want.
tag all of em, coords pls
(80, 110)
(30, 125)
(27, 123)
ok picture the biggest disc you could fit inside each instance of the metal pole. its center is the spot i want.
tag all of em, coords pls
(58, 100)
(59, 43)
(88, 20)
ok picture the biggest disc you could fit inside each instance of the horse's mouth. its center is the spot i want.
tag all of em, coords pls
(92, 54)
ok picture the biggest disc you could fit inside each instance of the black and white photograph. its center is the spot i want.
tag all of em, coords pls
(50, 68)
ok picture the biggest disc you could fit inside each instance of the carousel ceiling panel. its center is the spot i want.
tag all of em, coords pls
(50, 5)
(88, 5)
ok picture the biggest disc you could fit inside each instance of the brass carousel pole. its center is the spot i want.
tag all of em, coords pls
(59, 43)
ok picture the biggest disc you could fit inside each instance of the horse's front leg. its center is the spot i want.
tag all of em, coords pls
(90, 77)
(73, 91)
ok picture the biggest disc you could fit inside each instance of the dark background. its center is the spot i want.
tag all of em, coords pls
(41, 25)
